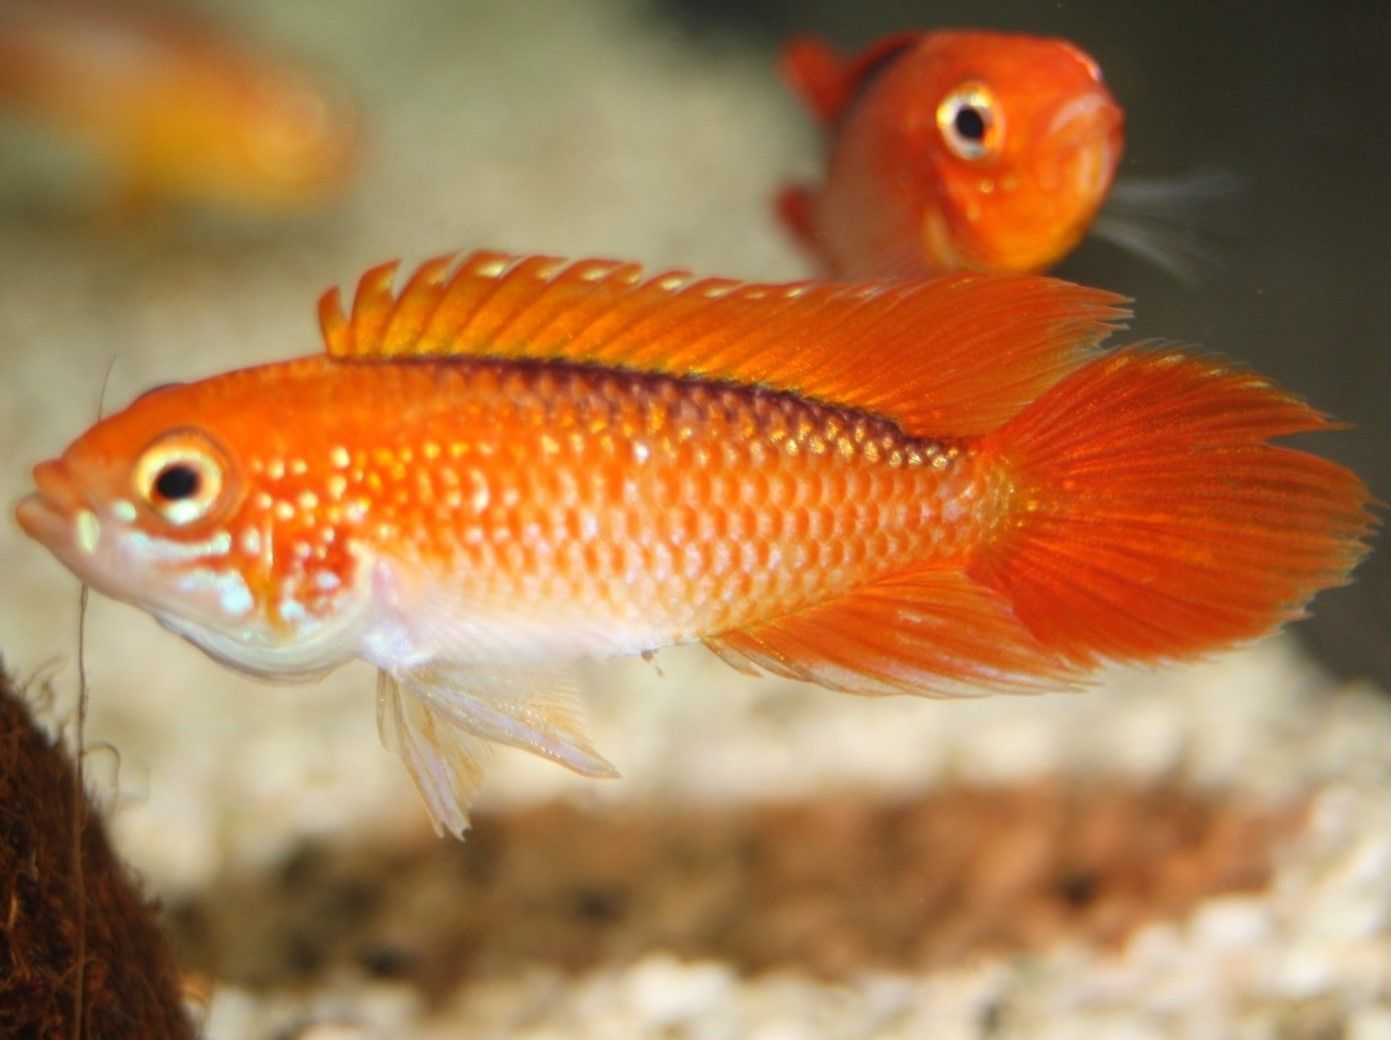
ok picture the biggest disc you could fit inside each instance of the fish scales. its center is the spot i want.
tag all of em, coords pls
(672, 507)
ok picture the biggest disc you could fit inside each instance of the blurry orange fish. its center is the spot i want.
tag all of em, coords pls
(174, 108)
(882, 487)
(951, 151)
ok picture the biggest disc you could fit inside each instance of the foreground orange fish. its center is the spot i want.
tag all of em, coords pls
(176, 109)
(883, 487)
(949, 151)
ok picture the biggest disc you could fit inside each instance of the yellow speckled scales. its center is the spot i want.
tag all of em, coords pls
(956, 356)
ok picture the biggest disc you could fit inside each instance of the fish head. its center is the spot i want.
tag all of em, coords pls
(1019, 139)
(187, 505)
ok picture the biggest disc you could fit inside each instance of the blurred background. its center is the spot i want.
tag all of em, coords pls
(656, 130)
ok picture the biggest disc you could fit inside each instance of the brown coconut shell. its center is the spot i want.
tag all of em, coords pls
(59, 911)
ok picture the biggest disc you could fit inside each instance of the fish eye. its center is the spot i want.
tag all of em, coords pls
(180, 477)
(969, 122)
(177, 481)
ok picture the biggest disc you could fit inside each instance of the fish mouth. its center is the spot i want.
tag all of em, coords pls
(46, 515)
(1087, 113)
(1087, 131)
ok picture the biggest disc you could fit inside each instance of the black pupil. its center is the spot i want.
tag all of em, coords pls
(176, 482)
(970, 123)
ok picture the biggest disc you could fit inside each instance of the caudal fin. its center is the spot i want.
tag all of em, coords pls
(1152, 519)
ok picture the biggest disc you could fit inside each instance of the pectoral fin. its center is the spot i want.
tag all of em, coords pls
(796, 209)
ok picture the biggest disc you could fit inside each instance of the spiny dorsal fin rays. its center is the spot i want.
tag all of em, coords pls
(954, 356)
(418, 301)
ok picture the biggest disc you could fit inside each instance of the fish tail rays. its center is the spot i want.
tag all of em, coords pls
(1153, 520)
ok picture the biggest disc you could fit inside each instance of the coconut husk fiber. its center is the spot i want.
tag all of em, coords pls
(80, 953)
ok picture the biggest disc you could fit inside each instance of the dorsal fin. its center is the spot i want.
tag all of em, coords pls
(817, 75)
(953, 356)
(825, 81)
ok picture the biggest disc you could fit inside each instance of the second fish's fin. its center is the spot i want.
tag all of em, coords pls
(827, 82)
(440, 717)
(817, 75)
(794, 205)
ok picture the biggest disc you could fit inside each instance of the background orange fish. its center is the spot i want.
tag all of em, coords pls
(978, 151)
(893, 487)
(175, 108)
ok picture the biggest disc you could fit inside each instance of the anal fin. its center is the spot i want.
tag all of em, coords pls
(931, 632)
(442, 716)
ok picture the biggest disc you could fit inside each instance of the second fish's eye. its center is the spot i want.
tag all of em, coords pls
(968, 121)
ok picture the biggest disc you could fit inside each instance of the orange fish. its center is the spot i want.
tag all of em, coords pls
(882, 487)
(175, 109)
(951, 151)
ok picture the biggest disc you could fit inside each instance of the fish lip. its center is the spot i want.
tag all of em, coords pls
(55, 482)
(40, 519)
(46, 514)
(1082, 113)
(1086, 144)
(1092, 123)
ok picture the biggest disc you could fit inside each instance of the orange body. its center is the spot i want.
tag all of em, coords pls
(652, 511)
(880, 487)
(175, 109)
(950, 151)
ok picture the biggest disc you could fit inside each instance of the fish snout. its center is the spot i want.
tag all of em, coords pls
(56, 483)
(47, 514)
(1088, 119)
(1086, 137)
